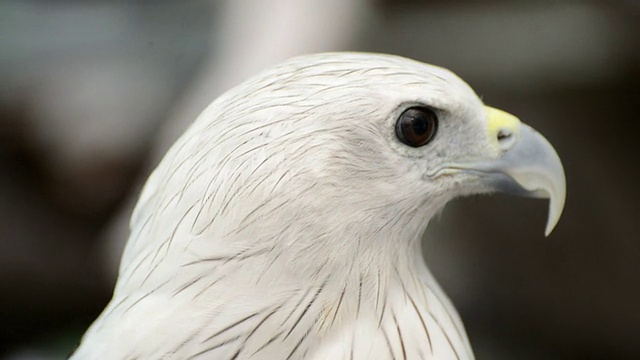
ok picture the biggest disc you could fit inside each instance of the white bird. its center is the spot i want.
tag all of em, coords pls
(286, 222)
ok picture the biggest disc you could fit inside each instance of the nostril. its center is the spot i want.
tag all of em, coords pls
(506, 139)
(504, 135)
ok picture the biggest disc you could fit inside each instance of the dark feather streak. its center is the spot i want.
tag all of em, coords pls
(230, 326)
(306, 309)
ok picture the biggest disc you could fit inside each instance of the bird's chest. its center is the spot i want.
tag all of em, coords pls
(405, 330)
(395, 325)
(404, 318)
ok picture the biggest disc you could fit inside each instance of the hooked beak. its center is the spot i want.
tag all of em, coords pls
(528, 164)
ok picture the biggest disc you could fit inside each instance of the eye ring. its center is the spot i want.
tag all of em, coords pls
(417, 126)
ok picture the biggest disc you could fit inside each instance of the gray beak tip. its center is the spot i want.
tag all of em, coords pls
(536, 167)
(556, 205)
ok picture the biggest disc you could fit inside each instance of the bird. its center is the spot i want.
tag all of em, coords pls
(286, 222)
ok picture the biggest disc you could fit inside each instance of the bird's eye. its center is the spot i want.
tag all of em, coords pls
(416, 126)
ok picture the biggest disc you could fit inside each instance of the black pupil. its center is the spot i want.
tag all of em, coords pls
(420, 124)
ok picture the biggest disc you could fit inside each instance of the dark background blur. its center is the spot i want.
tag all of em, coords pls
(93, 93)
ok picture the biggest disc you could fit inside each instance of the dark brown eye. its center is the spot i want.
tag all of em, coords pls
(416, 126)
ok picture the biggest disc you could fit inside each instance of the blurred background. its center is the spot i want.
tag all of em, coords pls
(94, 92)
